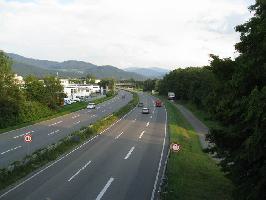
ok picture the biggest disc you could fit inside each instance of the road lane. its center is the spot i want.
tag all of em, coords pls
(65, 124)
(109, 175)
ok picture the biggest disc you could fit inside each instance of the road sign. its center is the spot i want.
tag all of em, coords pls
(175, 147)
(27, 138)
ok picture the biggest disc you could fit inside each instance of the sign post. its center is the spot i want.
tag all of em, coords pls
(28, 139)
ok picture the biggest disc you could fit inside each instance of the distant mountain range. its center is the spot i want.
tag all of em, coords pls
(71, 68)
(154, 72)
(74, 69)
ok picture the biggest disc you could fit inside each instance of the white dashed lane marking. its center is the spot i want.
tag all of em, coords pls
(129, 153)
(11, 150)
(23, 134)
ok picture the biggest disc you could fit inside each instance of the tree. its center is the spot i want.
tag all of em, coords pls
(11, 96)
(8, 87)
(241, 107)
(34, 89)
(53, 91)
(149, 85)
(90, 79)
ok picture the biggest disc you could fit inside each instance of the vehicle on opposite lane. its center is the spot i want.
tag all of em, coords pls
(91, 106)
(140, 104)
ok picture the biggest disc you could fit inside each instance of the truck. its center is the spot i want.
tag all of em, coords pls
(158, 103)
(171, 96)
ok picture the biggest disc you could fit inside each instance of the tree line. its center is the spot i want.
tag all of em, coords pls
(31, 101)
(234, 93)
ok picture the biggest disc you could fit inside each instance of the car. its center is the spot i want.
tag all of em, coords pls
(145, 110)
(75, 99)
(91, 106)
(158, 103)
(68, 101)
(123, 96)
(140, 104)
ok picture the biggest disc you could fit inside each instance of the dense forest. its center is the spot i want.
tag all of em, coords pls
(32, 101)
(233, 92)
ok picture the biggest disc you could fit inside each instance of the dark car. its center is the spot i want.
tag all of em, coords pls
(140, 104)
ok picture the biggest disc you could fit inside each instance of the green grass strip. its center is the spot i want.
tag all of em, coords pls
(191, 173)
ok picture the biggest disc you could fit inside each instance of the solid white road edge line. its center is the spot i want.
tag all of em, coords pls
(11, 150)
(15, 187)
(160, 162)
(129, 153)
(107, 185)
(79, 171)
(119, 135)
(141, 134)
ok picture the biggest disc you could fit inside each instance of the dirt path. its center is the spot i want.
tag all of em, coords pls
(200, 128)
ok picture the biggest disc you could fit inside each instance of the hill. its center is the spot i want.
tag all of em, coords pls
(70, 68)
(154, 72)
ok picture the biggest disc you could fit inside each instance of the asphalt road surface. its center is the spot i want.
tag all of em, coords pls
(123, 162)
(12, 145)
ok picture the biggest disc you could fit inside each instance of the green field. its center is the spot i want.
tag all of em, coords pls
(191, 174)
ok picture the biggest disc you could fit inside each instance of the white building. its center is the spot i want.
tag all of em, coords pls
(19, 79)
(97, 81)
(79, 90)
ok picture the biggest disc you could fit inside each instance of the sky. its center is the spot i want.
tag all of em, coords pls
(123, 33)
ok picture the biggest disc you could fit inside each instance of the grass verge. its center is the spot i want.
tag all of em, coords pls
(191, 174)
(39, 158)
(200, 114)
(62, 111)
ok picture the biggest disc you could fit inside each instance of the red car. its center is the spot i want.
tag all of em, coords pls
(158, 103)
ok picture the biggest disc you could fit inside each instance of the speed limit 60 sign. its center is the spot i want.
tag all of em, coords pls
(175, 147)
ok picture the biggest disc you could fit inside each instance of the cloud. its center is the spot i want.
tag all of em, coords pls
(122, 33)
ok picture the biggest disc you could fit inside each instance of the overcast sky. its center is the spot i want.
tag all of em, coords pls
(123, 33)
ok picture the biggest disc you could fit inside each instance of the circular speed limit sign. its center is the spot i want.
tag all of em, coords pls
(175, 147)
(27, 138)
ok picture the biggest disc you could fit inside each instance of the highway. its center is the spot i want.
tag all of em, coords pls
(12, 145)
(123, 162)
